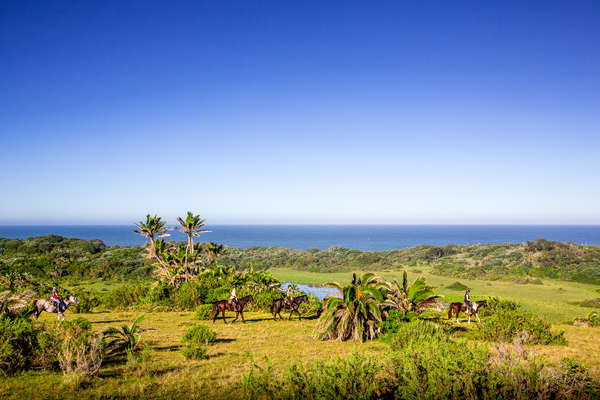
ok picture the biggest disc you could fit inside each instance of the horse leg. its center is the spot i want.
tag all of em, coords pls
(237, 314)
(242, 314)
(224, 317)
(469, 318)
(478, 319)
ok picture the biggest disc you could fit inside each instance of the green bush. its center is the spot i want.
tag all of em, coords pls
(409, 333)
(496, 304)
(263, 300)
(124, 296)
(195, 352)
(218, 293)
(195, 340)
(505, 325)
(87, 301)
(457, 286)
(312, 308)
(189, 295)
(203, 311)
(199, 334)
(357, 377)
(25, 344)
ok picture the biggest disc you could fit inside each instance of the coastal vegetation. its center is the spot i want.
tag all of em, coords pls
(142, 327)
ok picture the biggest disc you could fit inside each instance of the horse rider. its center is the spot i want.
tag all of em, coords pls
(233, 299)
(289, 296)
(468, 302)
(55, 298)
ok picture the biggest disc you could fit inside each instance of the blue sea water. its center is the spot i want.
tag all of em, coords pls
(363, 237)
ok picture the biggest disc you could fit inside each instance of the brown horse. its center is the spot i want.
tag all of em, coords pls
(456, 308)
(293, 306)
(221, 306)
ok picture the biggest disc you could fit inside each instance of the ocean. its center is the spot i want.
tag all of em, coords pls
(362, 237)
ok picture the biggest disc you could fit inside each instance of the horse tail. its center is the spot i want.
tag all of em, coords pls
(450, 311)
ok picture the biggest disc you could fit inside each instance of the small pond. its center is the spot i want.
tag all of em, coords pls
(318, 291)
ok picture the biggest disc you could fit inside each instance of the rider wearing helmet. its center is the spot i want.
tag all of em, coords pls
(55, 297)
(233, 299)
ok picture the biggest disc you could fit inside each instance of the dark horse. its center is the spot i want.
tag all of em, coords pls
(293, 306)
(456, 308)
(223, 305)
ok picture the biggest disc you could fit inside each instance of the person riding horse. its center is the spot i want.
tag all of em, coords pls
(233, 299)
(468, 303)
(54, 297)
(289, 296)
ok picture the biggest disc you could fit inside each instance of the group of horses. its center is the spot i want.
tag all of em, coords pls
(292, 304)
(221, 306)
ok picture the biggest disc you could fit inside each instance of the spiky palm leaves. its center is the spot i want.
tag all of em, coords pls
(153, 228)
(191, 227)
(212, 251)
(416, 296)
(125, 339)
(356, 314)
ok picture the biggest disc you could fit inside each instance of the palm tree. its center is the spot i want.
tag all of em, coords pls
(125, 339)
(191, 226)
(356, 314)
(417, 296)
(213, 251)
(153, 228)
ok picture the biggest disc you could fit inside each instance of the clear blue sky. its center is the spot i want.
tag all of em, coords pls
(300, 112)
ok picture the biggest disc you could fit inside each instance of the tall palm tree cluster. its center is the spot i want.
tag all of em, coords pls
(178, 262)
(366, 302)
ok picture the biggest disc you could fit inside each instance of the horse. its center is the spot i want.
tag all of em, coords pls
(293, 306)
(458, 307)
(42, 305)
(220, 306)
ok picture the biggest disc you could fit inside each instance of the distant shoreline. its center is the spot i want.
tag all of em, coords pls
(304, 237)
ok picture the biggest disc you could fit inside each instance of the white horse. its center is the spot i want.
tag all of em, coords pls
(50, 306)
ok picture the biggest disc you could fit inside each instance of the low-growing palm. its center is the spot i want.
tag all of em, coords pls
(356, 314)
(125, 339)
(416, 296)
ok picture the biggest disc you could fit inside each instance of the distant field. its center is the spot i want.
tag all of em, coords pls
(550, 299)
(260, 340)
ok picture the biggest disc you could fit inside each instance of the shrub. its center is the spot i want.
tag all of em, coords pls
(409, 333)
(80, 355)
(124, 296)
(505, 325)
(217, 294)
(496, 304)
(194, 341)
(189, 295)
(87, 302)
(263, 300)
(356, 377)
(199, 334)
(312, 308)
(592, 303)
(457, 286)
(203, 312)
(18, 343)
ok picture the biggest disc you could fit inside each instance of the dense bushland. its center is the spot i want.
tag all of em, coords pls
(426, 368)
(64, 258)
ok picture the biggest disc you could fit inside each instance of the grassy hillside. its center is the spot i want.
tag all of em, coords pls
(525, 263)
